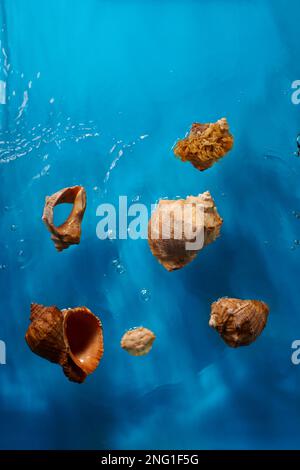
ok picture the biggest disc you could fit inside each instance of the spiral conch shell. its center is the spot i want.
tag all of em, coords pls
(178, 229)
(138, 341)
(69, 232)
(239, 322)
(205, 144)
(71, 338)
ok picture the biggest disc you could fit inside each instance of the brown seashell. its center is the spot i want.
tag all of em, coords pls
(171, 230)
(71, 338)
(45, 334)
(83, 334)
(205, 144)
(138, 341)
(69, 232)
(239, 322)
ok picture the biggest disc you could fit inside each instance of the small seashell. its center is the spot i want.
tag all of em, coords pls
(69, 232)
(138, 341)
(71, 338)
(178, 229)
(205, 144)
(239, 322)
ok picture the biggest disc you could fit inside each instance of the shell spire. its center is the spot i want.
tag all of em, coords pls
(44, 335)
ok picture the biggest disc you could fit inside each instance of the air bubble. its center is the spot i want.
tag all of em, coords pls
(296, 214)
(145, 295)
(111, 234)
(21, 256)
(118, 266)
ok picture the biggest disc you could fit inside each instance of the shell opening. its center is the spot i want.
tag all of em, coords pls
(61, 213)
(82, 333)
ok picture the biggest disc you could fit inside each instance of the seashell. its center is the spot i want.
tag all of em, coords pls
(178, 229)
(83, 335)
(239, 322)
(45, 334)
(71, 338)
(69, 232)
(138, 341)
(205, 144)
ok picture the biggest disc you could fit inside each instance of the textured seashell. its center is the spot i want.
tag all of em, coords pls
(45, 333)
(205, 144)
(69, 232)
(239, 322)
(138, 341)
(71, 338)
(175, 224)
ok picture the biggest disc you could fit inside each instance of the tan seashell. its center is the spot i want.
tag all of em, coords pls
(239, 322)
(169, 218)
(138, 341)
(69, 232)
(205, 144)
(71, 338)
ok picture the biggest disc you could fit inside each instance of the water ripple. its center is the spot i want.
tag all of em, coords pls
(21, 141)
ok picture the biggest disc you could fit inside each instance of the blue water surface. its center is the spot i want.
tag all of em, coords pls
(97, 92)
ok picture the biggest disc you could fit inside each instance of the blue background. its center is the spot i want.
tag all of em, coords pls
(88, 79)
